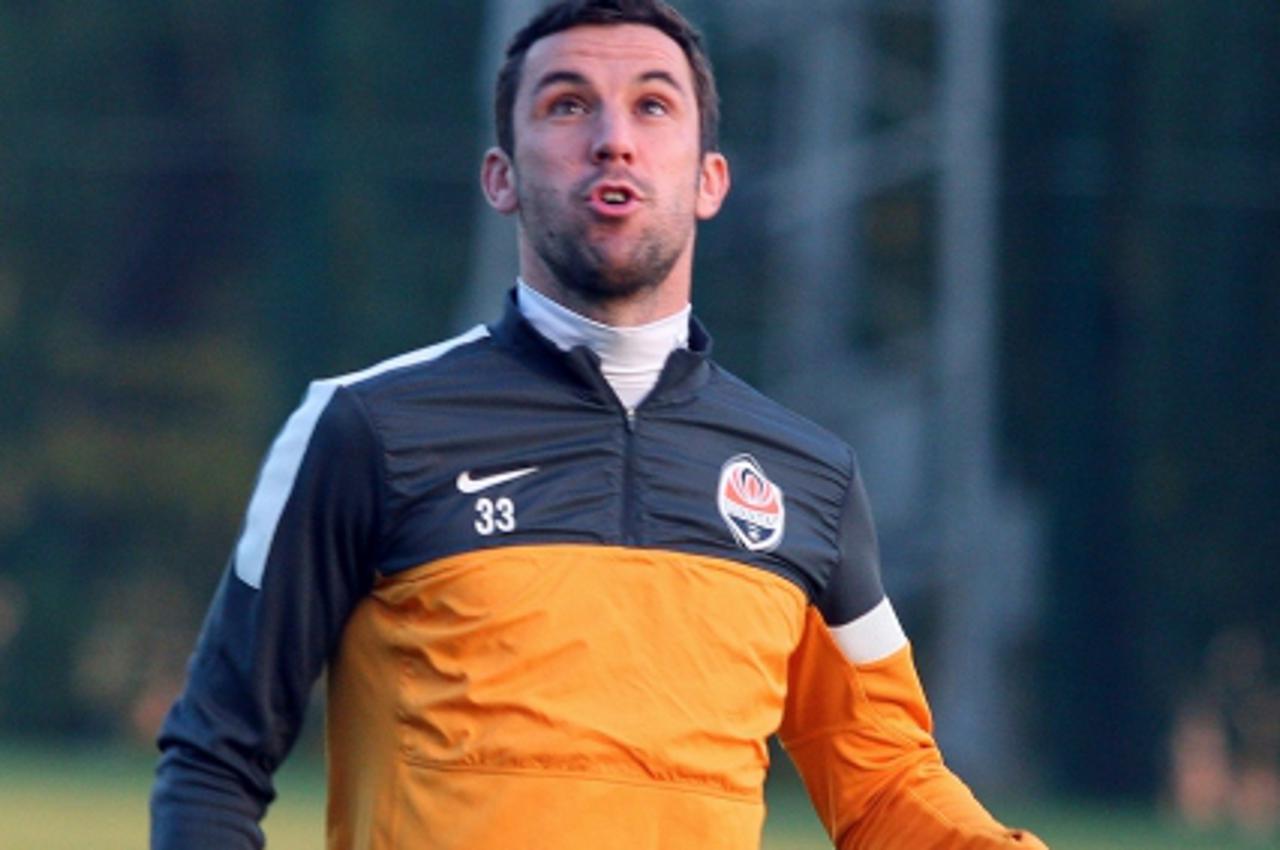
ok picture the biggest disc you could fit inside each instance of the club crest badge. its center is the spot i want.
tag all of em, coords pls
(751, 504)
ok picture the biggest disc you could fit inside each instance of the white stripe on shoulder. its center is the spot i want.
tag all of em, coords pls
(412, 358)
(875, 635)
(280, 470)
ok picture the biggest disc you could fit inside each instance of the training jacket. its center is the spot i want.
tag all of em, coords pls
(551, 623)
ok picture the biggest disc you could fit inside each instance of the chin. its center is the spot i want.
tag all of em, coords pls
(604, 287)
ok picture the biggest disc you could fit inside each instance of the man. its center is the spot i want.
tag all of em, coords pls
(568, 575)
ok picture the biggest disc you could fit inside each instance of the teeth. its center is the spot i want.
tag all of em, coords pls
(614, 196)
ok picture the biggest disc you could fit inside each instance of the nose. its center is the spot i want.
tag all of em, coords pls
(613, 140)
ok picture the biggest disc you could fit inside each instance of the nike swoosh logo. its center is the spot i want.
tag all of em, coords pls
(467, 484)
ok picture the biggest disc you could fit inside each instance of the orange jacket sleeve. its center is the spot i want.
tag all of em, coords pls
(861, 737)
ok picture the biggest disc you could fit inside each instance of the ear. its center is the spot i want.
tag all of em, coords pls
(713, 184)
(498, 179)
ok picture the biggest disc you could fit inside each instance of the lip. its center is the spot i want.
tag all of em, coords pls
(595, 199)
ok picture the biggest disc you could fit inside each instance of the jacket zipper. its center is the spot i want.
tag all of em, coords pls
(629, 531)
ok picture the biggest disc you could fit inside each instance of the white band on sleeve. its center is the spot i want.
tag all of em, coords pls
(875, 635)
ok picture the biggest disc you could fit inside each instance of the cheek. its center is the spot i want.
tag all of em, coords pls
(549, 147)
(540, 168)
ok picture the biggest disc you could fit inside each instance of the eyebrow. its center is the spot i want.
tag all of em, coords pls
(553, 78)
(661, 77)
(573, 78)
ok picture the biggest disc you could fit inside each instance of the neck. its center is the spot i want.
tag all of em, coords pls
(631, 357)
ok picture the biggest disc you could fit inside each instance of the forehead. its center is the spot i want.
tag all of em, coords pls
(606, 53)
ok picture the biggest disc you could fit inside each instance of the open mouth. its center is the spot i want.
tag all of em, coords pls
(613, 199)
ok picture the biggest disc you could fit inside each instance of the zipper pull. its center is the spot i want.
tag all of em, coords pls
(631, 419)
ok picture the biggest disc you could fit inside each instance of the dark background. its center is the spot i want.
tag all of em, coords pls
(203, 205)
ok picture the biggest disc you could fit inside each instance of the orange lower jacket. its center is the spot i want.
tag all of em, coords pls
(567, 697)
(552, 624)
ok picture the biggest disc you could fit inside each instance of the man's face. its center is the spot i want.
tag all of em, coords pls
(607, 178)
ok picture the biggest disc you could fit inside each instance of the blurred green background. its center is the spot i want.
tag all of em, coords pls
(63, 799)
(1025, 256)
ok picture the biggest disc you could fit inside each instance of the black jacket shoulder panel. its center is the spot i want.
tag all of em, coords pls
(853, 584)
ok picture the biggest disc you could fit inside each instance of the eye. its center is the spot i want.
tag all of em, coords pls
(567, 105)
(654, 106)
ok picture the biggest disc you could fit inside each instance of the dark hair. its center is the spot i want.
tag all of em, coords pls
(571, 13)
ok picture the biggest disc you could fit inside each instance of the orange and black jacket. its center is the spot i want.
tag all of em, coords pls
(549, 623)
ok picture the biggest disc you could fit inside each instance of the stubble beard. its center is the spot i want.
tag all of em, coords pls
(563, 242)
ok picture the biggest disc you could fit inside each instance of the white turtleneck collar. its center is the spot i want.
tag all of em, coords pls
(631, 358)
